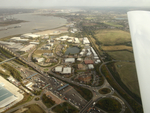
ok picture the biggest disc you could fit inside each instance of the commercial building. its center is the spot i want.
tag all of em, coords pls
(79, 59)
(50, 44)
(97, 61)
(27, 48)
(36, 43)
(86, 40)
(93, 51)
(48, 54)
(70, 41)
(91, 66)
(29, 85)
(81, 53)
(88, 61)
(16, 47)
(66, 70)
(39, 59)
(76, 40)
(58, 69)
(96, 57)
(64, 37)
(6, 97)
(30, 35)
(88, 54)
(83, 50)
(69, 60)
(19, 39)
(46, 47)
(7, 43)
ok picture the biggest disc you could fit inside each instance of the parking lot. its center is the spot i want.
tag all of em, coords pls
(68, 93)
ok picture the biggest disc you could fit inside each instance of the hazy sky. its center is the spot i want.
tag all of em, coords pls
(47, 3)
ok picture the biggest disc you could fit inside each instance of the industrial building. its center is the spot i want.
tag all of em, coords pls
(36, 43)
(76, 41)
(64, 37)
(7, 43)
(16, 47)
(97, 61)
(91, 66)
(79, 59)
(58, 69)
(50, 44)
(81, 53)
(70, 41)
(46, 47)
(19, 39)
(66, 70)
(69, 60)
(39, 59)
(27, 48)
(6, 97)
(48, 54)
(30, 35)
(29, 85)
(86, 40)
(88, 61)
(93, 51)
(88, 54)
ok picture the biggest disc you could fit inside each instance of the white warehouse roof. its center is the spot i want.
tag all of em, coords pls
(69, 60)
(58, 69)
(7, 43)
(19, 39)
(27, 48)
(6, 97)
(76, 40)
(40, 59)
(81, 53)
(91, 66)
(64, 37)
(30, 35)
(86, 40)
(67, 70)
(34, 42)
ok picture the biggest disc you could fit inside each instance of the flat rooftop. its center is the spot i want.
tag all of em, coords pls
(4, 93)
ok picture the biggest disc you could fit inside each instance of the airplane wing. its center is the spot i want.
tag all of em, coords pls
(139, 24)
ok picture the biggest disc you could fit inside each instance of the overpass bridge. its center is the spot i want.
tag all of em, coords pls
(7, 60)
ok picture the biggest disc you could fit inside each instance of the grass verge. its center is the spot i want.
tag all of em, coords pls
(65, 108)
(47, 101)
(109, 105)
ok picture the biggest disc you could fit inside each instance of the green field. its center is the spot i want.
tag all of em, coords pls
(34, 109)
(121, 55)
(65, 108)
(128, 75)
(110, 105)
(112, 37)
(113, 24)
